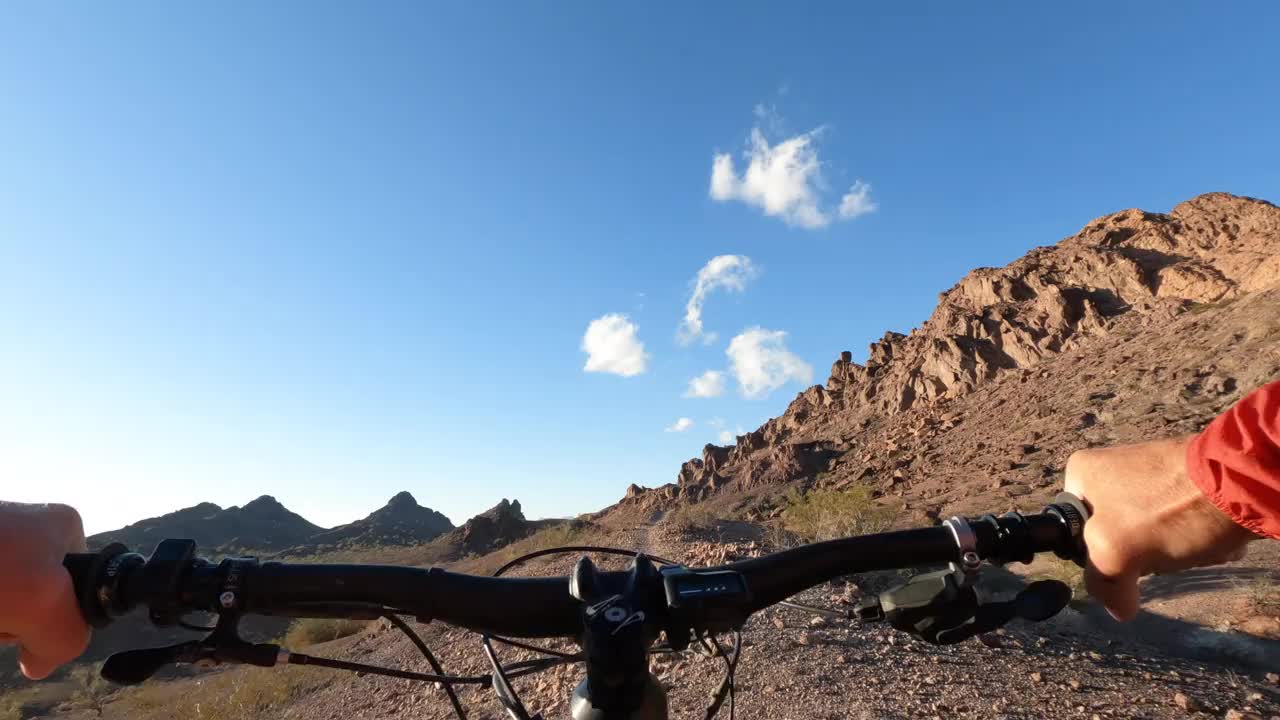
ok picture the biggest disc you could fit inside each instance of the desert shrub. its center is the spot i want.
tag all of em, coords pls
(1262, 595)
(569, 532)
(693, 516)
(246, 692)
(91, 690)
(310, 631)
(830, 514)
(31, 700)
(1064, 571)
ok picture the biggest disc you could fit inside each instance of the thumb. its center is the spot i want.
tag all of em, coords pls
(1117, 593)
(58, 636)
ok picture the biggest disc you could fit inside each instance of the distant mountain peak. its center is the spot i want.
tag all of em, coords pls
(402, 521)
(505, 509)
(402, 499)
(264, 502)
(262, 524)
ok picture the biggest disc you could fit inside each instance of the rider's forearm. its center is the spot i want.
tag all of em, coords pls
(1236, 461)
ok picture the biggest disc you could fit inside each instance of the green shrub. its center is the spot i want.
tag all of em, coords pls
(830, 514)
(310, 631)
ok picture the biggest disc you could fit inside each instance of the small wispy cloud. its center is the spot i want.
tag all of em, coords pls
(725, 436)
(857, 202)
(785, 180)
(612, 345)
(707, 385)
(728, 272)
(680, 425)
(761, 363)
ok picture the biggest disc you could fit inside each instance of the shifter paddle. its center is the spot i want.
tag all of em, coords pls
(942, 607)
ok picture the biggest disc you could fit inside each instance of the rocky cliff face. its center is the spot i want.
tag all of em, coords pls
(1129, 276)
(499, 525)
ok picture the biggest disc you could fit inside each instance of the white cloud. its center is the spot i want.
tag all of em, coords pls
(680, 425)
(707, 385)
(727, 437)
(760, 362)
(784, 180)
(730, 272)
(612, 346)
(857, 202)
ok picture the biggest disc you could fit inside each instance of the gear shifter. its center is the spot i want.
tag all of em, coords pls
(942, 607)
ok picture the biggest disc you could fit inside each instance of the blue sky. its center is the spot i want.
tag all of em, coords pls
(329, 252)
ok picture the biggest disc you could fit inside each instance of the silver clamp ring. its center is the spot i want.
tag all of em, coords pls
(966, 543)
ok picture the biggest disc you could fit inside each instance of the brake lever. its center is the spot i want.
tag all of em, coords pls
(222, 646)
(132, 667)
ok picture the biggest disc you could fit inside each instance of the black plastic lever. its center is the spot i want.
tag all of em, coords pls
(135, 666)
(942, 608)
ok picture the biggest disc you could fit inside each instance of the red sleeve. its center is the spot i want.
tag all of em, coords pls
(1236, 461)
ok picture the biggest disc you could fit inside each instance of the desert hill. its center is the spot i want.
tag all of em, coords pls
(1140, 325)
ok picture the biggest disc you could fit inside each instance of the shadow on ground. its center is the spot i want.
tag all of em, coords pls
(1173, 636)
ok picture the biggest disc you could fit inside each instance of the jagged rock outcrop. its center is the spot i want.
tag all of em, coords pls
(402, 521)
(1130, 267)
(499, 525)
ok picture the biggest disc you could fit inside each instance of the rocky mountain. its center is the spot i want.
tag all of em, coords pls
(262, 524)
(266, 525)
(500, 525)
(402, 521)
(1140, 325)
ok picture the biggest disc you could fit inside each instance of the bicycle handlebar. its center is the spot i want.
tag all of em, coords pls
(173, 581)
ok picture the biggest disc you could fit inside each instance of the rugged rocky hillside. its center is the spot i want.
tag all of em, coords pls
(402, 521)
(500, 525)
(262, 524)
(1140, 325)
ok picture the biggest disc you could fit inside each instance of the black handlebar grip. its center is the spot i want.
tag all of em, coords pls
(83, 570)
(1073, 513)
(89, 577)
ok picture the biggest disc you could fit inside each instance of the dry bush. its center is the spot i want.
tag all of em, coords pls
(91, 690)
(1052, 567)
(34, 699)
(690, 517)
(312, 631)
(246, 692)
(1262, 595)
(830, 514)
(569, 532)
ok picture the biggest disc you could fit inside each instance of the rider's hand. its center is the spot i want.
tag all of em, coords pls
(1148, 517)
(38, 607)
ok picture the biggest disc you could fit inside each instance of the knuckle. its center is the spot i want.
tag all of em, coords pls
(1106, 552)
(1080, 460)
